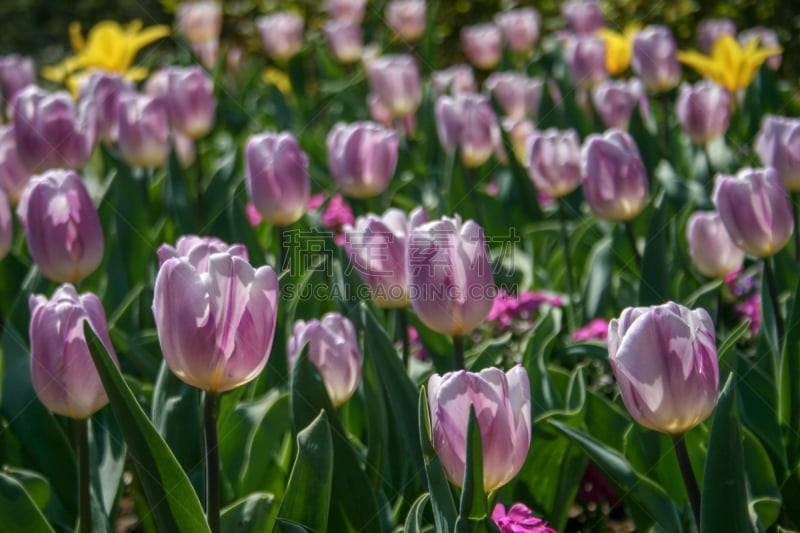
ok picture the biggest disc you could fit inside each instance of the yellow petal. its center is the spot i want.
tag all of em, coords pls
(76, 36)
(136, 73)
(55, 73)
(133, 27)
(149, 35)
(727, 53)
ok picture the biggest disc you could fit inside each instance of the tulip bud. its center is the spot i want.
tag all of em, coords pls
(346, 10)
(406, 18)
(200, 21)
(377, 250)
(520, 133)
(13, 175)
(277, 177)
(345, 40)
(554, 159)
(395, 80)
(583, 16)
(50, 131)
(455, 80)
(710, 30)
(616, 100)
(482, 44)
(755, 209)
(63, 374)
(61, 226)
(143, 137)
(185, 149)
(710, 247)
(517, 94)
(765, 37)
(6, 225)
(16, 73)
(333, 349)
(614, 179)
(198, 251)
(362, 157)
(215, 319)
(467, 121)
(778, 145)
(281, 34)
(520, 28)
(190, 101)
(449, 276)
(586, 59)
(665, 361)
(502, 404)
(103, 91)
(206, 52)
(655, 58)
(704, 111)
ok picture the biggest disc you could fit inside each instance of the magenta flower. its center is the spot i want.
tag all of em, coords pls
(750, 309)
(595, 330)
(518, 519)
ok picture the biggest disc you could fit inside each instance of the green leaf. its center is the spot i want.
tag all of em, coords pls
(177, 199)
(253, 514)
(311, 477)
(173, 503)
(598, 278)
(654, 277)
(444, 509)
(762, 487)
(790, 378)
(287, 526)
(724, 501)
(18, 511)
(414, 518)
(36, 485)
(473, 499)
(731, 340)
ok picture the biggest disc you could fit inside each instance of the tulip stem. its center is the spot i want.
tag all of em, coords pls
(769, 274)
(81, 429)
(198, 197)
(212, 460)
(402, 315)
(632, 240)
(562, 218)
(458, 349)
(689, 480)
(281, 248)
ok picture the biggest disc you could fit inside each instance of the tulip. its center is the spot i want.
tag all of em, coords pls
(665, 361)
(377, 250)
(16, 73)
(190, 101)
(710, 30)
(517, 94)
(347, 10)
(502, 405)
(455, 80)
(583, 16)
(333, 349)
(281, 34)
(616, 100)
(406, 18)
(215, 319)
(710, 247)
(185, 149)
(554, 162)
(61, 226)
(362, 157)
(277, 177)
(50, 131)
(619, 47)
(449, 276)
(198, 251)
(586, 59)
(704, 111)
(103, 91)
(655, 58)
(143, 137)
(520, 28)
(467, 121)
(614, 178)
(13, 174)
(63, 374)
(345, 40)
(755, 209)
(6, 225)
(778, 146)
(394, 79)
(482, 44)
(199, 22)
(764, 37)
(519, 133)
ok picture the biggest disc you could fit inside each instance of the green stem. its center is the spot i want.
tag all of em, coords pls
(665, 104)
(689, 480)
(402, 315)
(632, 240)
(282, 252)
(212, 460)
(562, 218)
(198, 198)
(458, 350)
(769, 273)
(81, 429)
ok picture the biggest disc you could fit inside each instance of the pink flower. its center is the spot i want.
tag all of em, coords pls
(519, 519)
(507, 307)
(750, 309)
(336, 216)
(596, 330)
(316, 201)
(253, 216)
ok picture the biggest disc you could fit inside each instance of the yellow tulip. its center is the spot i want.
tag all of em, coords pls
(619, 48)
(730, 64)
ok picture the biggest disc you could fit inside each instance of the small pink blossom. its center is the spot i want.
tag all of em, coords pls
(750, 309)
(316, 201)
(519, 519)
(253, 217)
(596, 330)
(507, 307)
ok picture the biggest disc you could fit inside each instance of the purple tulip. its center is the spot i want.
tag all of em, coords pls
(554, 161)
(64, 376)
(482, 44)
(362, 157)
(517, 94)
(710, 247)
(455, 80)
(61, 226)
(190, 101)
(614, 177)
(6, 225)
(765, 37)
(347, 10)
(583, 16)
(395, 81)
(333, 349)
(616, 100)
(200, 21)
(450, 280)
(143, 130)
(704, 111)
(778, 146)
(345, 40)
(502, 405)
(519, 133)
(755, 209)
(103, 91)
(185, 149)
(710, 30)
(198, 251)
(377, 250)
(277, 177)
(665, 361)
(16, 73)
(50, 131)
(520, 28)
(215, 319)
(406, 18)
(655, 58)
(586, 59)
(13, 174)
(467, 121)
(281, 34)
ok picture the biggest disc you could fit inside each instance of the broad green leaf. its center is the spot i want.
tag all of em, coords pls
(762, 487)
(415, 514)
(36, 485)
(654, 270)
(731, 340)
(598, 278)
(253, 514)
(790, 379)
(444, 509)
(18, 511)
(472, 514)
(287, 526)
